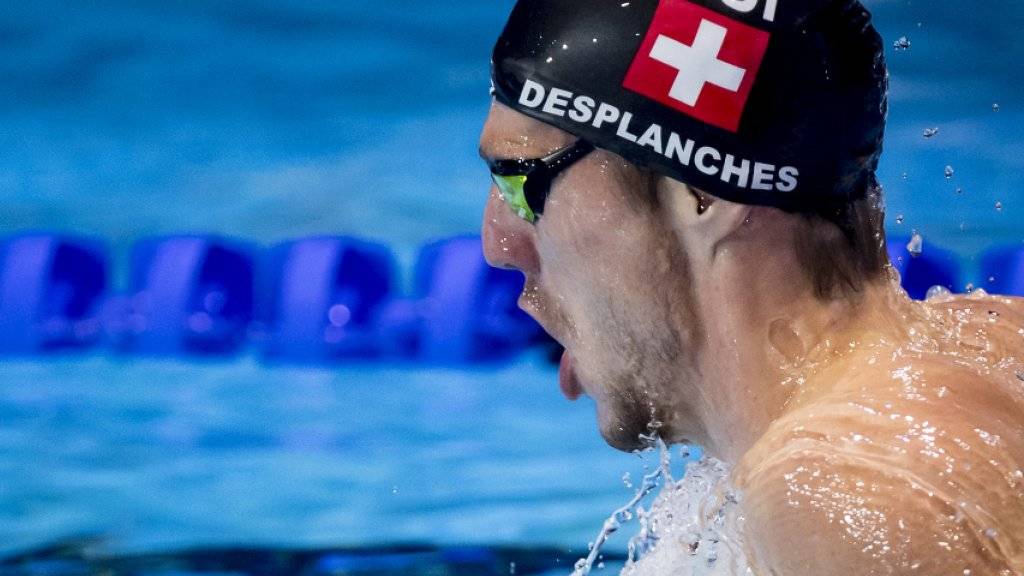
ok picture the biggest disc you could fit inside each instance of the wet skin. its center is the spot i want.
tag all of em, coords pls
(869, 435)
(902, 455)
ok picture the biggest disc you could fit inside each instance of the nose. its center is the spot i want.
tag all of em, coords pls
(508, 240)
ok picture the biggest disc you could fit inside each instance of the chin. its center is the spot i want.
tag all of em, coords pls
(625, 425)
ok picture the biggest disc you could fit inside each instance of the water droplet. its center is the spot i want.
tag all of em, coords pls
(995, 107)
(959, 190)
(899, 219)
(627, 480)
(916, 245)
(949, 172)
(511, 567)
(999, 206)
(991, 279)
(937, 292)
(969, 287)
(394, 489)
(991, 533)
(904, 175)
(929, 132)
(1020, 376)
(901, 44)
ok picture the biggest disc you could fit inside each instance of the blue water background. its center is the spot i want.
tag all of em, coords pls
(275, 119)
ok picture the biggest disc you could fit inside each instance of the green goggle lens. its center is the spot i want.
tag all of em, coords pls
(513, 192)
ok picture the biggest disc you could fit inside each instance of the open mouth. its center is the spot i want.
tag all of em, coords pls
(568, 381)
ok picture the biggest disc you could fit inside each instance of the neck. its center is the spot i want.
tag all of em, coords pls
(761, 345)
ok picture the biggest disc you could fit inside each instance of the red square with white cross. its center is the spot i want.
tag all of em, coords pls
(699, 62)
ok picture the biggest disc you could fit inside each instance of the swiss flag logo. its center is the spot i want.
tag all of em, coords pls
(699, 62)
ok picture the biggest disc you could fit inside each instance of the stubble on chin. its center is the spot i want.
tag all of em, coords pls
(639, 403)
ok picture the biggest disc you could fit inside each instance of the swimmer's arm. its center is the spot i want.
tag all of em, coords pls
(815, 511)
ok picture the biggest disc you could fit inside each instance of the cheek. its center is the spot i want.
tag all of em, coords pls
(611, 281)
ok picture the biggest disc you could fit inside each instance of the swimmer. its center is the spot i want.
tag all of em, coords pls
(689, 189)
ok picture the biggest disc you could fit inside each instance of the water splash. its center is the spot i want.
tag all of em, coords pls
(916, 244)
(691, 528)
(624, 514)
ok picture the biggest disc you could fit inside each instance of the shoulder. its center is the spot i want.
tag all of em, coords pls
(915, 469)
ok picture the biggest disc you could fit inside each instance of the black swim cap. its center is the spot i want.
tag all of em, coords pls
(772, 102)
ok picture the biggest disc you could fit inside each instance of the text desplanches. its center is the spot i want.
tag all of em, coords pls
(739, 172)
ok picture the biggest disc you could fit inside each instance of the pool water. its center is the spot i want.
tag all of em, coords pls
(152, 454)
(275, 119)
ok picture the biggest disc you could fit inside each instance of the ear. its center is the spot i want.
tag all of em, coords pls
(701, 224)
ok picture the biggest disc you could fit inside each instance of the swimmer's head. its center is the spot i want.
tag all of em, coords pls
(725, 133)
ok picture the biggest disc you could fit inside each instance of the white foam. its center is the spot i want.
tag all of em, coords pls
(693, 527)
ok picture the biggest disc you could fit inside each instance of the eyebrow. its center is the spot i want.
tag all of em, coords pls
(483, 154)
(489, 154)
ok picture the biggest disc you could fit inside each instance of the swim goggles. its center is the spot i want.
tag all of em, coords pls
(526, 183)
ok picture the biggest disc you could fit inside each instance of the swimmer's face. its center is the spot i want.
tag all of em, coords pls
(604, 276)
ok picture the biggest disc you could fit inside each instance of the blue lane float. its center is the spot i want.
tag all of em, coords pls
(51, 293)
(1005, 267)
(315, 299)
(189, 295)
(463, 310)
(932, 267)
(319, 298)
